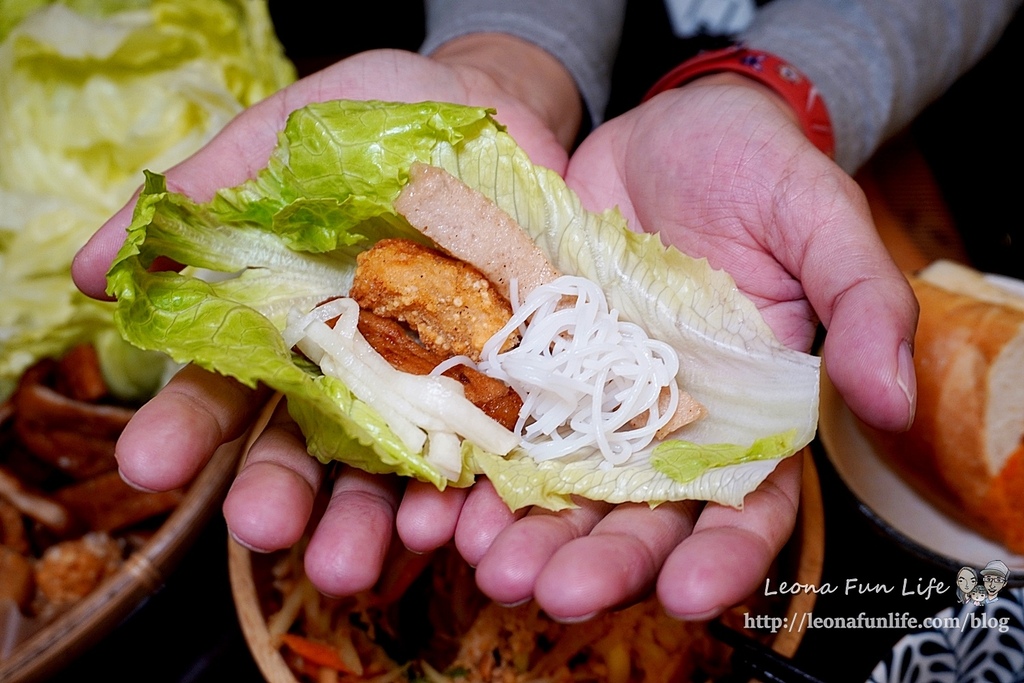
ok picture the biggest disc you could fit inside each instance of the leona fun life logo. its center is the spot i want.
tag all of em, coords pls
(980, 587)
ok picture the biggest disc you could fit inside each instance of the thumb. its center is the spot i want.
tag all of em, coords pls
(868, 351)
(870, 314)
(90, 264)
(828, 239)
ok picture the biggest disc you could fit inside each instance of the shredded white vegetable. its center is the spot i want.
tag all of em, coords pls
(414, 406)
(587, 379)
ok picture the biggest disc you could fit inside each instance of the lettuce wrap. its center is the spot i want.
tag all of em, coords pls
(288, 238)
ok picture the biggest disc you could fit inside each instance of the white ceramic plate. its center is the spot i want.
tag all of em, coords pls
(895, 504)
(963, 644)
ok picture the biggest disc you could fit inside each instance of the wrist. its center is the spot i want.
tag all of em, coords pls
(775, 78)
(738, 80)
(528, 73)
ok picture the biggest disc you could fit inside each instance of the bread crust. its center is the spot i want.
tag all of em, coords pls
(956, 453)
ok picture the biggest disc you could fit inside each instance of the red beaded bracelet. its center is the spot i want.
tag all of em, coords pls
(768, 70)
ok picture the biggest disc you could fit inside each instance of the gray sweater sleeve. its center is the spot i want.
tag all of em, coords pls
(878, 63)
(582, 34)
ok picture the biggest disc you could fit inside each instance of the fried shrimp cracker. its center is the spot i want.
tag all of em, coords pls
(469, 226)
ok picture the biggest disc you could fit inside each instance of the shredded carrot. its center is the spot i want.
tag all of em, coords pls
(315, 652)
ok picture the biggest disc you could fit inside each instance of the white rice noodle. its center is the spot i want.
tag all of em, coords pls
(589, 381)
(446, 365)
(412, 405)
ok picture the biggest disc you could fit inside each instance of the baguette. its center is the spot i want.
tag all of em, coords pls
(964, 452)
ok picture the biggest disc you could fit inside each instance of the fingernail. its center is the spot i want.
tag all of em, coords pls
(250, 548)
(906, 379)
(517, 603)
(132, 484)
(695, 616)
(574, 620)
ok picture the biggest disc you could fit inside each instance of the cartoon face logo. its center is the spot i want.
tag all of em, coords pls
(980, 587)
(966, 581)
(994, 577)
(993, 583)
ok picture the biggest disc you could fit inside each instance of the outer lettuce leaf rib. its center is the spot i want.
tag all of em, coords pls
(521, 481)
(288, 238)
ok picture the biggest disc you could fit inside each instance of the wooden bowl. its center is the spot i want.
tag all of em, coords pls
(804, 556)
(801, 561)
(143, 573)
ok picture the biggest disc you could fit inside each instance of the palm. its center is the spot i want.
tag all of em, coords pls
(714, 186)
(678, 167)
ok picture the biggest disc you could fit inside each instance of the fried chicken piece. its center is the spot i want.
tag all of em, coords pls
(392, 341)
(504, 409)
(70, 570)
(452, 307)
(12, 528)
(499, 401)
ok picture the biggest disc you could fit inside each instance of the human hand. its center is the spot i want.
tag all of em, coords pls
(175, 434)
(722, 171)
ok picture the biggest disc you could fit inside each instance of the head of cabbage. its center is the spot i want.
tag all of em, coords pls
(92, 92)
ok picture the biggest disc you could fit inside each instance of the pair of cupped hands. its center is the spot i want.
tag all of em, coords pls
(725, 172)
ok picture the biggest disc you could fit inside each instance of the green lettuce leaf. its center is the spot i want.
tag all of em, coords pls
(288, 239)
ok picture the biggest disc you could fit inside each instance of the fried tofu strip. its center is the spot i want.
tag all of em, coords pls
(472, 228)
(16, 581)
(450, 304)
(106, 503)
(74, 436)
(12, 528)
(391, 341)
